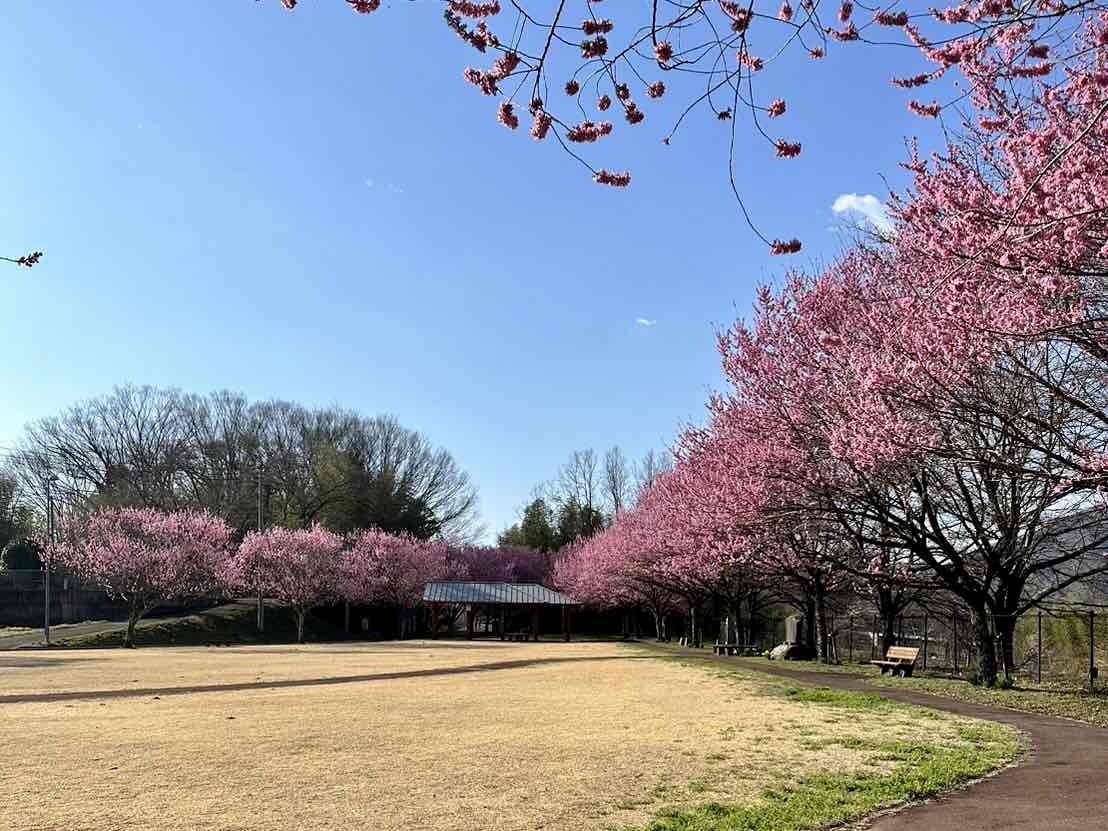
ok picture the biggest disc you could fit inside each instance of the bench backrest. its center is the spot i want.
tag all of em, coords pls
(902, 653)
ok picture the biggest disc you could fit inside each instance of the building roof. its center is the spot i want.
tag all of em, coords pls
(505, 594)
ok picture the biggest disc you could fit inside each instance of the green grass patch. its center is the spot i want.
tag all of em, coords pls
(813, 802)
(838, 698)
(1063, 701)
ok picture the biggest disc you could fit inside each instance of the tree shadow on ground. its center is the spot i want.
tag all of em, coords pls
(495, 666)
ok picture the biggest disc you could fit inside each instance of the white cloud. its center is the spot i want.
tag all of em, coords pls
(391, 187)
(645, 321)
(867, 205)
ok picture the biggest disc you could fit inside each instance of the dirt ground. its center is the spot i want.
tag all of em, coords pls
(413, 735)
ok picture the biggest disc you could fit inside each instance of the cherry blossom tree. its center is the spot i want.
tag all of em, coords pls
(392, 569)
(144, 557)
(507, 563)
(299, 567)
(576, 71)
(27, 260)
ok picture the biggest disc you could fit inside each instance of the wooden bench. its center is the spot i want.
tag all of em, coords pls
(900, 660)
(523, 635)
(734, 649)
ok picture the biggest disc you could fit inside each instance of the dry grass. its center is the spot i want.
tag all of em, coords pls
(585, 736)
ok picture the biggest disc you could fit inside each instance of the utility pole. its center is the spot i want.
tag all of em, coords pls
(48, 558)
(261, 528)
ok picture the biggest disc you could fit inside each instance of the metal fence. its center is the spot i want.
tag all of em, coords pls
(22, 599)
(1061, 646)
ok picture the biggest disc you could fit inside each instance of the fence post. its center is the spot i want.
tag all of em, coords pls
(954, 626)
(873, 639)
(1092, 653)
(1039, 650)
(850, 640)
(925, 640)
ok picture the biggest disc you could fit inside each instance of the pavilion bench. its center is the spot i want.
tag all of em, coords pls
(522, 635)
(734, 649)
(900, 660)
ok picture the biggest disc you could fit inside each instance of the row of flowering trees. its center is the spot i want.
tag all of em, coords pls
(145, 557)
(928, 413)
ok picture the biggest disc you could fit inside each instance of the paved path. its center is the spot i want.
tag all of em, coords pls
(1061, 785)
(34, 637)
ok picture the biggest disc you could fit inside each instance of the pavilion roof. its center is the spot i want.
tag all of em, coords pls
(494, 593)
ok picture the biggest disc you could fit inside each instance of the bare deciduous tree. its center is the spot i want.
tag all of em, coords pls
(141, 446)
(617, 479)
(653, 465)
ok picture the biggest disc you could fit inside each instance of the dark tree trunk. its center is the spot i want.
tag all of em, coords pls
(300, 614)
(810, 624)
(887, 610)
(986, 648)
(1005, 626)
(129, 636)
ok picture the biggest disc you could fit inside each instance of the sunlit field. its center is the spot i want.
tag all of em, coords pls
(405, 735)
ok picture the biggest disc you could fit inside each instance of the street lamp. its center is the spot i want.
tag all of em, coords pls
(49, 554)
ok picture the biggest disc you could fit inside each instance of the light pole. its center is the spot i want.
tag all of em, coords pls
(261, 527)
(49, 555)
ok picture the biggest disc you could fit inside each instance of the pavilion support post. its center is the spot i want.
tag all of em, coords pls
(469, 623)
(434, 620)
(535, 623)
(502, 625)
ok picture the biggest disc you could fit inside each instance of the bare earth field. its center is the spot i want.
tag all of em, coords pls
(412, 735)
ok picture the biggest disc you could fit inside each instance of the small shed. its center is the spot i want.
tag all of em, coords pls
(478, 596)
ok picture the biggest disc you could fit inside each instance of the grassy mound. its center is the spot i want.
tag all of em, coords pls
(230, 624)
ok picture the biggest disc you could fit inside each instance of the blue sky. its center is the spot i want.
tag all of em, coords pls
(315, 206)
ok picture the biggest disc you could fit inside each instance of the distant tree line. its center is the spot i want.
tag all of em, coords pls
(165, 449)
(585, 496)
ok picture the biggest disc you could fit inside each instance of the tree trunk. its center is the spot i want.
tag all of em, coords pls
(739, 632)
(1005, 626)
(888, 633)
(887, 611)
(986, 648)
(810, 624)
(658, 633)
(300, 614)
(129, 636)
